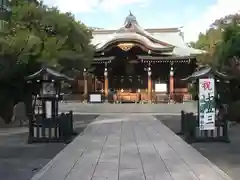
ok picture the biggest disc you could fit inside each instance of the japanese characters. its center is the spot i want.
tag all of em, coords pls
(207, 104)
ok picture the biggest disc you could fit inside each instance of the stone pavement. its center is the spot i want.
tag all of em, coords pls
(15, 130)
(129, 147)
(20, 160)
(163, 109)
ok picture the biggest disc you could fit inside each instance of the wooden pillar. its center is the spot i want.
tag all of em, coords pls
(171, 83)
(149, 85)
(95, 83)
(85, 75)
(106, 84)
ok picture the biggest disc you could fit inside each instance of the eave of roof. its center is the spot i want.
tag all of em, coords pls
(152, 30)
(56, 75)
(128, 37)
(156, 58)
(205, 72)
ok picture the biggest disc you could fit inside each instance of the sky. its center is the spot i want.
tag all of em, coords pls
(194, 16)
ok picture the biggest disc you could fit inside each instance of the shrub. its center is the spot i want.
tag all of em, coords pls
(233, 110)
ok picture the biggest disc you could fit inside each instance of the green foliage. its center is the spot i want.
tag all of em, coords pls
(42, 35)
(192, 89)
(227, 53)
(233, 111)
(38, 35)
(212, 40)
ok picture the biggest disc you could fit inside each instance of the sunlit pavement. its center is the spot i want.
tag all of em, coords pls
(20, 160)
(126, 147)
(161, 109)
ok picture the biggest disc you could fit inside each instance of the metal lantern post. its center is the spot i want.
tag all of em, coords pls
(85, 76)
(149, 71)
(171, 85)
(106, 84)
(149, 85)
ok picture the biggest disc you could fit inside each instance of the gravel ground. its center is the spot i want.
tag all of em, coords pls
(225, 156)
(20, 161)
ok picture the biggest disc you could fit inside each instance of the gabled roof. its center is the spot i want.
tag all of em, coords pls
(205, 72)
(52, 73)
(133, 37)
(168, 39)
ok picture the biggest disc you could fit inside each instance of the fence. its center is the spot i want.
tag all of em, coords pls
(192, 133)
(55, 129)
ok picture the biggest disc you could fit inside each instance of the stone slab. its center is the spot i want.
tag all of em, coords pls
(129, 147)
(81, 108)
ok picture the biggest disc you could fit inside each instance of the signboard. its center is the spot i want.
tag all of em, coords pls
(206, 104)
(161, 87)
(95, 98)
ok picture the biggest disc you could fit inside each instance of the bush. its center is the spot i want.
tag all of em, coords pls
(233, 110)
(6, 108)
(192, 89)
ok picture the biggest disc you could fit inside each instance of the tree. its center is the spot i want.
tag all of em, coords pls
(44, 34)
(38, 35)
(213, 37)
(227, 52)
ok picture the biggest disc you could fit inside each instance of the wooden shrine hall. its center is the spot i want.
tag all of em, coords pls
(132, 64)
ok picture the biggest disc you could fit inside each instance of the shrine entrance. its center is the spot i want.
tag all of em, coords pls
(128, 76)
(130, 72)
(133, 64)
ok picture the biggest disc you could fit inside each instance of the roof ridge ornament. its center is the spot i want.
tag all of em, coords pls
(130, 13)
(130, 20)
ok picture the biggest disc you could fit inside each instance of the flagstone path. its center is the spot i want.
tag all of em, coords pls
(129, 147)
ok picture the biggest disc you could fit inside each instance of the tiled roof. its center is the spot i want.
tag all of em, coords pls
(153, 38)
(205, 72)
(119, 37)
(54, 74)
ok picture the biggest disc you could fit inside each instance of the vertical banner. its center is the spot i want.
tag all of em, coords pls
(48, 109)
(206, 104)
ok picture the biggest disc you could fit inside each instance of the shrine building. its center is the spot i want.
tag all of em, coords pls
(140, 65)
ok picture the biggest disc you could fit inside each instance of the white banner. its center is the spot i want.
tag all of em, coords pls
(206, 104)
(48, 105)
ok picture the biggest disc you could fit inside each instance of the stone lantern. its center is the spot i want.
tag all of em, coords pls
(46, 125)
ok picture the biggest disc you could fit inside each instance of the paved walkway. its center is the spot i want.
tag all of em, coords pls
(162, 109)
(11, 131)
(129, 147)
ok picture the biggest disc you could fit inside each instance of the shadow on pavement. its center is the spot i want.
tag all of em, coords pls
(20, 161)
(225, 156)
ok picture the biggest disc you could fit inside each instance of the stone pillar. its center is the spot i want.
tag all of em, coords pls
(106, 84)
(85, 76)
(171, 83)
(149, 85)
